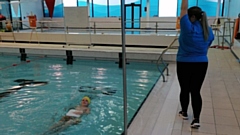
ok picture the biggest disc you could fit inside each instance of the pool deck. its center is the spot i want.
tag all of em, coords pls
(159, 114)
(88, 51)
(221, 105)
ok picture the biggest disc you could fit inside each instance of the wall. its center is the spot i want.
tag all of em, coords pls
(233, 8)
(28, 6)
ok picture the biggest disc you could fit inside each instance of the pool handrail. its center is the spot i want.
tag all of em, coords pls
(161, 61)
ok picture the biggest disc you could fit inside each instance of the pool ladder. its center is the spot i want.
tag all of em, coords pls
(162, 65)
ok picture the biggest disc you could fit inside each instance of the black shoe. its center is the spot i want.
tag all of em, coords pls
(184, 115)
(195, 123)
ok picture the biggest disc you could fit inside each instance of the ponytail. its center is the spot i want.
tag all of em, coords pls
(204, 23)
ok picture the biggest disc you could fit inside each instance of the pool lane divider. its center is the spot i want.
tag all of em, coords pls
(23, 59)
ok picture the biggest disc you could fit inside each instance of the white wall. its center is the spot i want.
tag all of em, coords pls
(234, 8)
(28, 6)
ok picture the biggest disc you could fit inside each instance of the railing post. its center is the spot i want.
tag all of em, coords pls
(17, 26)
(232, 41)
(223, 37)
(94, 27)
(41, 25)
(229, 27)
(156, 27)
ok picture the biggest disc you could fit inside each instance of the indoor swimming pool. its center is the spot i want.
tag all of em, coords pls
(32, 110)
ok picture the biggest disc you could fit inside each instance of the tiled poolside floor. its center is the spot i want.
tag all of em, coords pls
(221, 102)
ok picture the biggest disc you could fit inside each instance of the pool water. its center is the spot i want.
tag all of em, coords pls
(33, 110)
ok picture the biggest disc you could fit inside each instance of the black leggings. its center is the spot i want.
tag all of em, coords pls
(191, 76)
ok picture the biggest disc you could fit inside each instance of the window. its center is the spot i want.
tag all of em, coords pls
(91, 8)
(154, 8)
(209, 6)
(70, 3)
(82, 3)
(144, 5)
(167, 8)
(190, 4)
(15, 9)
(114, 8)
(5, 9)
(100, 8)
(58, 9)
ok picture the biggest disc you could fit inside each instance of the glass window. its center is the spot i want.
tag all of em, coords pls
(70, 3)
(190, 4)
(154, 8)
(58, 9)
(225, 9)
(15, 9)
(5, 9)
(114, 8)
(100, 8)
(82, 2)
(144, 4)
(209, 6)
(221, 9)
(91, 8)
(167, 8)
(132, 1)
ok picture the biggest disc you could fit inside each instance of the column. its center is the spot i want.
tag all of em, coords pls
(148, 13)
(88, 4)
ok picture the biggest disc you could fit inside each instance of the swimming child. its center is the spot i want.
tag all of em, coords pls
(72, 116)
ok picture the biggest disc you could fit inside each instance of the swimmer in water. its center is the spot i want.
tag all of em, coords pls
(72, 116)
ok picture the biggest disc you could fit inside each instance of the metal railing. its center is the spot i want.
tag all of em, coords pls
(162, 65)
(95, 27)
(231, 25)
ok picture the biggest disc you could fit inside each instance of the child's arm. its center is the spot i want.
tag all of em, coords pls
(87, 111)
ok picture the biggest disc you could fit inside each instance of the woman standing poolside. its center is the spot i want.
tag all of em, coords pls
(192, 62)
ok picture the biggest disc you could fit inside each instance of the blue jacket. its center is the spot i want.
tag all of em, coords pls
(192, 45)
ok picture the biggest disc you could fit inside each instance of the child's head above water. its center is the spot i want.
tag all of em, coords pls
(85, 101)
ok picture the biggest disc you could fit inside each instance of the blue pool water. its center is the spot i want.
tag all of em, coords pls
(32, 110)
